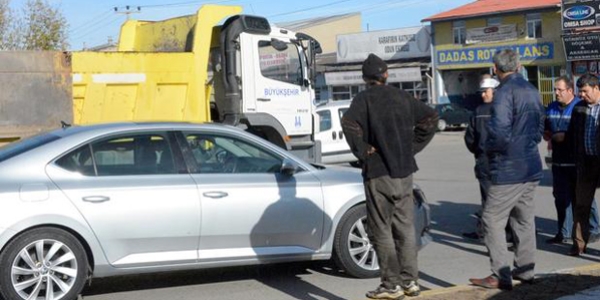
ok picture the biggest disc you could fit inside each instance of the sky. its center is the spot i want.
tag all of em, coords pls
(93, 22)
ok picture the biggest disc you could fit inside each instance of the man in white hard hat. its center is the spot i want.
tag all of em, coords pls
(475, 137)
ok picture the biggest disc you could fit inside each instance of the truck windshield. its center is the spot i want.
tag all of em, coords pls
(22, 146)
(284, 65)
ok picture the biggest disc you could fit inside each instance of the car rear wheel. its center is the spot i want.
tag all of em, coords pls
(353, 251)
(44, 263)
(442, 124)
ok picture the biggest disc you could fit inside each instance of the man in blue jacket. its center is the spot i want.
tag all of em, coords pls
(514, 131)
(564, 173)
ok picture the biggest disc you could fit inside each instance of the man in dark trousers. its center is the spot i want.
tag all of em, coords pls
(514, 132)
(475, 137)
(584, 136)
(564, 172)
(385, 127)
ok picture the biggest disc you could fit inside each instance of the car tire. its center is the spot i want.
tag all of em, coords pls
(442, 125)
(353, 251)
(62, 271)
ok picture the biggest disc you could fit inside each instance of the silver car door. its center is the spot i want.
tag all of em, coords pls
(143, 211)
(249, 209)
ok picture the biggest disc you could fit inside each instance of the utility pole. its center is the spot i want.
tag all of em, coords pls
(128, 10)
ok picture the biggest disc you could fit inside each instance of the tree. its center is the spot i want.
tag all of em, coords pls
(40, 26)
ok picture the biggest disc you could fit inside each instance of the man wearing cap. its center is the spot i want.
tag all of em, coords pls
(564, 173)
(385, 127)
(515, 129)
(475, 137)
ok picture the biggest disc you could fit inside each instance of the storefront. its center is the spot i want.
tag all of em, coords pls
(581, 36)
(466, 38)
(459, 71)
(405, 50)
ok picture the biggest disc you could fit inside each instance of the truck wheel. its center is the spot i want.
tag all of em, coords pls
(442, 125)
(352, 249)
(43, 263)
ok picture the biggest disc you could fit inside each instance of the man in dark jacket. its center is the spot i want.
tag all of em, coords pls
(385, 127)
(475, 137)
(584, 136)
(564, 172)
(514, 131)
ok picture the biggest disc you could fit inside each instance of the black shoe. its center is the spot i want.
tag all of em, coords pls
(472, 235)
(558, 239)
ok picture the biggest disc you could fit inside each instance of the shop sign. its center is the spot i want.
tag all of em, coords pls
(527, 52)
(582, 46)
(393, 44)
(355, 77)
(580, 14)
(488, 34)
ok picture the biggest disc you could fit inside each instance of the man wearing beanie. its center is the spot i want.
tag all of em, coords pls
(385, 127)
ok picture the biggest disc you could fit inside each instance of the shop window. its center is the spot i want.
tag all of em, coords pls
(534, 26)
(416, 89)
(345, 92)
(459, 32)
(494, 21)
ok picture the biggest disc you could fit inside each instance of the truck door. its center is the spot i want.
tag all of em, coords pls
(277, 82)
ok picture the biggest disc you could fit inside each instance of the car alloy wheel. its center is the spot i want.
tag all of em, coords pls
(43, 263)
(353, 251)
(442, 125)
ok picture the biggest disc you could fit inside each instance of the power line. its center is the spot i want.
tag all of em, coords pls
(307, 9)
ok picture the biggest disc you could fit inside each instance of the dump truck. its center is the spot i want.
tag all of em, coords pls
(244, 72)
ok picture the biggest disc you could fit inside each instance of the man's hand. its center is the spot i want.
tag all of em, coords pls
(371, 150)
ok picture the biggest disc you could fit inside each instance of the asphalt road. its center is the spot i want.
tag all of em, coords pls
(446, 176)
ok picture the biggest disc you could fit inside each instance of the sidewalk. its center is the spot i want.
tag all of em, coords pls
(581, 283)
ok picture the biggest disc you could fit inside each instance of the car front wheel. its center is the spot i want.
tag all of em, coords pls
(442, 124)
(353, 251)
(43, 263)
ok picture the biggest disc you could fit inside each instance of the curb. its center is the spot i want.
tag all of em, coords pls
(466, 287)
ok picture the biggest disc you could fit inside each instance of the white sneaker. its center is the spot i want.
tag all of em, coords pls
(411, 288)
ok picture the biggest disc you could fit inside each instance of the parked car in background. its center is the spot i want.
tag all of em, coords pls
(452, 116)
(334, 148)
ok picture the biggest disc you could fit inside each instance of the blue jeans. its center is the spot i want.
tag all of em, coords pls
(563, 189)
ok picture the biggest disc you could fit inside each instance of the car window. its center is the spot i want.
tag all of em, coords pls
(221, 154)
(146, 154)
(324, 120)
(19, 147)
(79, 161)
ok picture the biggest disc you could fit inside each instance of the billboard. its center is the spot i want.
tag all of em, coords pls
(479, 55)
(392, 44)
(580, 14)
(582, 46)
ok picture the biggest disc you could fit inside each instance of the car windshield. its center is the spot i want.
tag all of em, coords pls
(22, 146)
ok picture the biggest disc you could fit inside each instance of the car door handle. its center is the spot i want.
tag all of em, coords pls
(341, 135)
(263, 99)
(95, 198)
(215, 195)
(334, 135)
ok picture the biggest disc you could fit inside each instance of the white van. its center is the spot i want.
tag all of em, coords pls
(334, 149)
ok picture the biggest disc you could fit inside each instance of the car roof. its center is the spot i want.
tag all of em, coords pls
(124, 126)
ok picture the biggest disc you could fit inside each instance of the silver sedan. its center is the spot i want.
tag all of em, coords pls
(115, 199)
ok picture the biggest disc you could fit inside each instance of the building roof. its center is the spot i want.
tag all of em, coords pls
(301, 24)
(489, 7)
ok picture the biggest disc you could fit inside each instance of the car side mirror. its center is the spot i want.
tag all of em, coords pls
(288, 167)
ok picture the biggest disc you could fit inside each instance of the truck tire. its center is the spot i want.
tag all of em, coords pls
(45, 262)
(352, 250)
